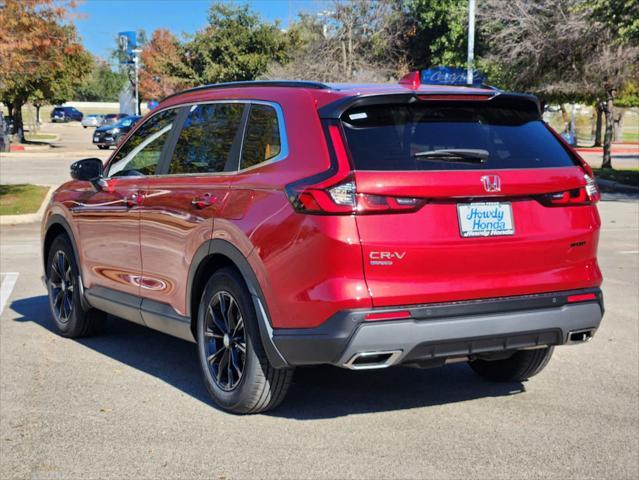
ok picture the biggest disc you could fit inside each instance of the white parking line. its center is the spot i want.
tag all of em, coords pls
(628, 252)
(6, 288)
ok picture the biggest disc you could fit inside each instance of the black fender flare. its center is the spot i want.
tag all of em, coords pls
(57, 219)
(222, 247)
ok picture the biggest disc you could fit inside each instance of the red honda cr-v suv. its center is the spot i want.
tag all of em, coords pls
(279, 224)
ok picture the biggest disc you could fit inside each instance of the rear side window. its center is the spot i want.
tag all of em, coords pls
(398, 137)
(262, 137)
(206, 141)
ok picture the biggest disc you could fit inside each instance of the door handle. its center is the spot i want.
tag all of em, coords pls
(204, 201)
(133, 200)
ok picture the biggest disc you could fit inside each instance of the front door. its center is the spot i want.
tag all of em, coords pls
(109, 219)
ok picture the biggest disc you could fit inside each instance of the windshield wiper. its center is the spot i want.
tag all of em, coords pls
(461, 155)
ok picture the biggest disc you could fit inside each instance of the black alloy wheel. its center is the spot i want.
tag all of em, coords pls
(225, 341)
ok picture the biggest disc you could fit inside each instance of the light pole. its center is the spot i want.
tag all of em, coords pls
(471, 41)
(136, 63)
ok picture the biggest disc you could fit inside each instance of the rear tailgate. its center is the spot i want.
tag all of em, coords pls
(421, 257)
(538, 238)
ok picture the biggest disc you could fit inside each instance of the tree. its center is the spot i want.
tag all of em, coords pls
(355, 40)
(163, 68)
(619, 15)
(40, 54)
(235, 45)
(101, 85)
(436, 32)
(559, 50)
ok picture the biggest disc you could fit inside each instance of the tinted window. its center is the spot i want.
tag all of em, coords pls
(389, 137)
(262, 137)
(206, 139)
(141, 152)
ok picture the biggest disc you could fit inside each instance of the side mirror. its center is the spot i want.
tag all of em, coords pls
(87, 169)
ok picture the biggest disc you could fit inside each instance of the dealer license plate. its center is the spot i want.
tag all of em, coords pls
(490, 219)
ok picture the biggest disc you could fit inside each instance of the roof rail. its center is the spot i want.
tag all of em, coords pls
(255, 83)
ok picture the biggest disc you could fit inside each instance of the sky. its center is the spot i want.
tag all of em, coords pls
(99, 21)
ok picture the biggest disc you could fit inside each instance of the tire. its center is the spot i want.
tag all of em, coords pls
(70, 318)
(102, 147)
(239, 381)
(521, 366)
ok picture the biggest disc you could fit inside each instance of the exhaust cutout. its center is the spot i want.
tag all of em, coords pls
(580, 336)
(370, 360)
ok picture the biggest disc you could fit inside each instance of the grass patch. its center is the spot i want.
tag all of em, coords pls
(40, 136)
(627, 177)
(19, 199)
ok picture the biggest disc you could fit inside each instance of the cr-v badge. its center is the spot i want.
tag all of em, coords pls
(384, 258)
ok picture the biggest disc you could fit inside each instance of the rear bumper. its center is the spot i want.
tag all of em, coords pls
(444, 330)
(105, 143)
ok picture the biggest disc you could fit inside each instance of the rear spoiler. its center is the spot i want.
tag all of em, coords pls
(335, 109)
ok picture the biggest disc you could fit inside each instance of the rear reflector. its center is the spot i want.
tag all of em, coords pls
(377, 317)
(583, 297)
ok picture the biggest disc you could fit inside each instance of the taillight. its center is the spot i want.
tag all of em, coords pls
(586, 195)
(343, 199)
(335, 192)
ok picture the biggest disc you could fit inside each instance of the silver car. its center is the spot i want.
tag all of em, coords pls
(95, 120)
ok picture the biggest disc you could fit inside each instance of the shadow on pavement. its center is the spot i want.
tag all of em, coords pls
(316, 393)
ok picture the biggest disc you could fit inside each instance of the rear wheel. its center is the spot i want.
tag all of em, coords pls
(236, 371)
(521, 366)
(70, 317)
(102, 147)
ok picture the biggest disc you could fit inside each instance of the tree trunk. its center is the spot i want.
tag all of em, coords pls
(599, 109)
(37, 114)
(344, 61)
(565, 116)
(618, 125)
(608, 110)
(18, 125)
(10, 109)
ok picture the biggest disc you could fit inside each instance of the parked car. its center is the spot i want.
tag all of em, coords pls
(113, 118)
(110, 135)
(9, 125)
(4, 134)
(284, 223)
(66, 114)
(93, 120)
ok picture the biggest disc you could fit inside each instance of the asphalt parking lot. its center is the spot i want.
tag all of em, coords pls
(130, 403)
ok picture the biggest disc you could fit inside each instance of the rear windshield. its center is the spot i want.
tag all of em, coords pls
(398, 137)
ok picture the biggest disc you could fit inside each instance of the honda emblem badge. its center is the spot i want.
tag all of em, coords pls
(492, 183)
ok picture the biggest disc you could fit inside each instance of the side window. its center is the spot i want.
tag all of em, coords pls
(206, 139)
(262, 137)
(141, 152)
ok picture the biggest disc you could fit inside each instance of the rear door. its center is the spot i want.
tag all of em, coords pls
(505, 208)
(181, 203)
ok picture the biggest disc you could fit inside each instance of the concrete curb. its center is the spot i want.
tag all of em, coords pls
(612, 186)
(28, 217)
